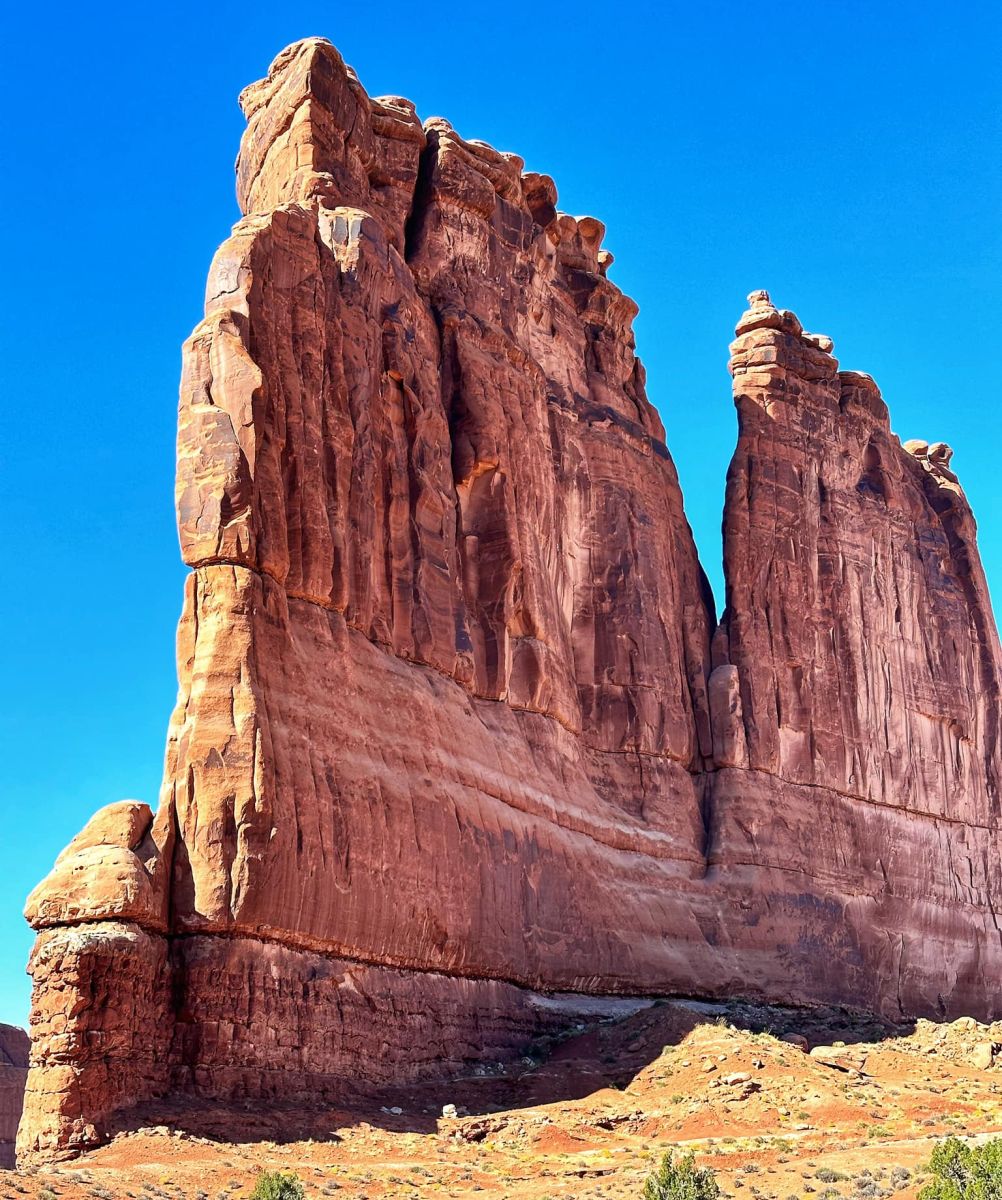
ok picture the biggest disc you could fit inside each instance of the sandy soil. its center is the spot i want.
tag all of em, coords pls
(855, 1118)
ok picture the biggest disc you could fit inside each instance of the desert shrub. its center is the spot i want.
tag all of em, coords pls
(681, 1180)
(962, 1172)
(273, 1185)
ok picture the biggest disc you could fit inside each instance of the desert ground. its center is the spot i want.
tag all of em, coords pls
(848, 1108)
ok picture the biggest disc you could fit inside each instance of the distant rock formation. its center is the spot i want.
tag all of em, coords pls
(13, 1072)
(457, 724)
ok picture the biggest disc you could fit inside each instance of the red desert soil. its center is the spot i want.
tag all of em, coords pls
(586, 1116)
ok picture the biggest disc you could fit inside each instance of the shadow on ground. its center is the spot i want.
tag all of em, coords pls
(579, 1062)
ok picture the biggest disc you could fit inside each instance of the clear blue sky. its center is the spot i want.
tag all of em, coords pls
(844, 155)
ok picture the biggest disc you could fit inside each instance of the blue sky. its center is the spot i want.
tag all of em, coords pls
(843, 155)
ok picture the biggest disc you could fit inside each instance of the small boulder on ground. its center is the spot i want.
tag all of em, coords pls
(983, 1055)
(796, 1039)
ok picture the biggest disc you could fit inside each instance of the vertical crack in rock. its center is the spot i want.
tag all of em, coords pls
(456, 723)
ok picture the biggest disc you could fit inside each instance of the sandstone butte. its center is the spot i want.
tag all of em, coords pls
(458, 729)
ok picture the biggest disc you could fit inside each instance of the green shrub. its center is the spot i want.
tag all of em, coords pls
(273, 1185)
(962, 1172)
(681, 1180)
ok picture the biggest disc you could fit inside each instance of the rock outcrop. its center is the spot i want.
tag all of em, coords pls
(13, 1072)
(456, 724)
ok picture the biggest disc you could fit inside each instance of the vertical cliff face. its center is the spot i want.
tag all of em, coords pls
(413, 431)
(857, 613)
(856, 687)
(453, 720)
(13, 1070)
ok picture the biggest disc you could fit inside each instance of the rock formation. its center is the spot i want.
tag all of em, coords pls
(456, 724)
(13, 1072)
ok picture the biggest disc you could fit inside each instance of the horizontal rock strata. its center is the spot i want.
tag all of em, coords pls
(457, 725)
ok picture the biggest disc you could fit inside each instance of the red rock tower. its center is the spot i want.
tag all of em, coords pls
(454, 727)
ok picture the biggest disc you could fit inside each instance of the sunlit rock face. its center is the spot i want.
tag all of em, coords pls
(456, 725)
(857, 612)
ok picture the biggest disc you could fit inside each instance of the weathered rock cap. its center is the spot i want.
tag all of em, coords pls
(540, 196)
(115, 868)
(935, 458)
(771, 351)
(763, 314)
(939, 453)
(314, 136)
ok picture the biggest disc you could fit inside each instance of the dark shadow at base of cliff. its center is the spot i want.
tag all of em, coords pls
(580, 1062)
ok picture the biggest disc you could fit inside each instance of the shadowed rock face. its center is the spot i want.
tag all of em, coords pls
(13, 1072)
(455, 724)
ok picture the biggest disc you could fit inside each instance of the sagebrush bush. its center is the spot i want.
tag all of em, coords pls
(963, 1172)
(273, 1185)
(681, 1180)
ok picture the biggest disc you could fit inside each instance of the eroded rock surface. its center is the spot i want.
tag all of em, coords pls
(857, 612)
(455, 722)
